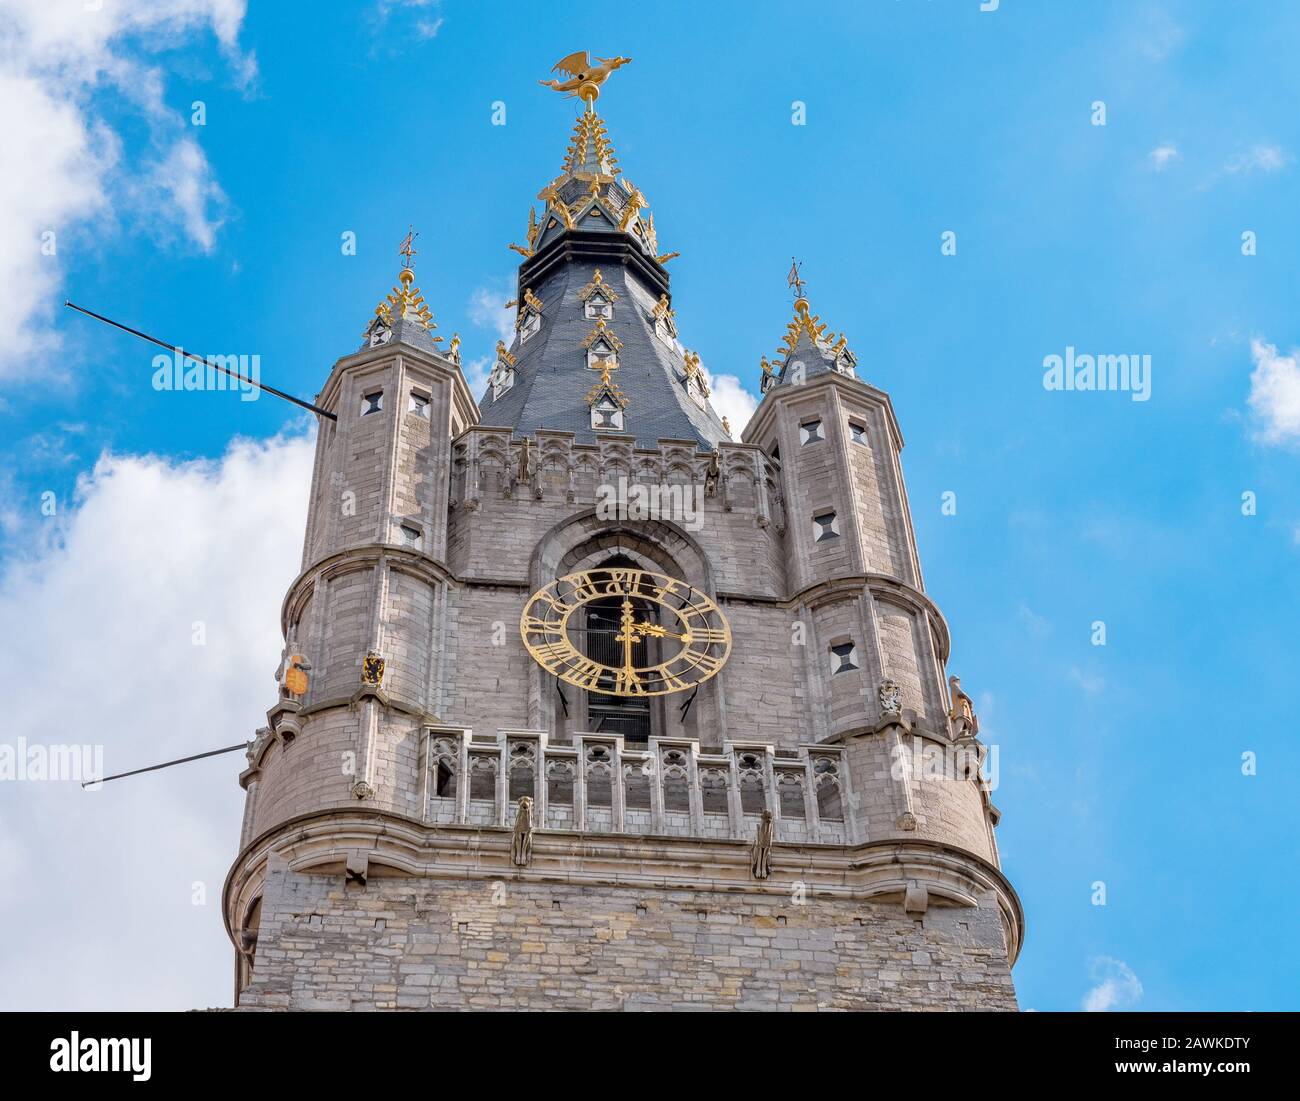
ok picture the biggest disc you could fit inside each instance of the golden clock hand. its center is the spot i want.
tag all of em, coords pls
(660, 632)
(625, 635)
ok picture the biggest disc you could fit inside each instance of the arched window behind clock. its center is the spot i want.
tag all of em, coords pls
(626, 715)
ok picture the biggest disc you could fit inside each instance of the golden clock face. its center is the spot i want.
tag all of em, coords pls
(626, 632)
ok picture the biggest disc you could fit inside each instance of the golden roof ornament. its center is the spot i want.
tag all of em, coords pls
(726, 426)
(606, 385)
(598, 284)
(601, 331)
(590, 154)
(651, 234)
(805, 321)
(585, 78)
(406, 301)
(453, 349)
(664, 315)
(636, 201)
(503, 354)
(589, 159)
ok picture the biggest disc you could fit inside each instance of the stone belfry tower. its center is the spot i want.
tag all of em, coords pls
(585, 704)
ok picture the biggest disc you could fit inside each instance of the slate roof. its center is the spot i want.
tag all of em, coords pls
(552, 378)
(596, 220)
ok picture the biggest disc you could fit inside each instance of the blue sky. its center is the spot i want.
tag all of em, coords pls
(1119, 763)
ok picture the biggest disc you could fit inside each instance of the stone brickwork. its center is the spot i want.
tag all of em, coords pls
(421, 943)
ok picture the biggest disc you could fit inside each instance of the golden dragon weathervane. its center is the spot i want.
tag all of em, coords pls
(585, 79)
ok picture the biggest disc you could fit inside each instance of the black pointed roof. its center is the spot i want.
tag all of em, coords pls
(596, 221)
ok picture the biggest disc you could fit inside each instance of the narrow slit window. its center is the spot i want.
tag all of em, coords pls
(811, 431)
(372, 403)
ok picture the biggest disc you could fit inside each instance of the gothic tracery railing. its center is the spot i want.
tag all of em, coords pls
(672, 787)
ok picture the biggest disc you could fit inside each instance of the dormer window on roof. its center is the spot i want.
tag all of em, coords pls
(602, 347)
(607, 403)
(501, 379)
(530, 316)
(503, 372)
(665, 321)
(598, 299)
(696, 385)
(607, 414)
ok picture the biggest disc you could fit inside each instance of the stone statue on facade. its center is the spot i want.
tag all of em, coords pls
(712, 474)
(761, 852)
(963, 712)
(521, 845)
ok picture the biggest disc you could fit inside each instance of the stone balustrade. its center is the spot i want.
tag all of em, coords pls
(668, 787)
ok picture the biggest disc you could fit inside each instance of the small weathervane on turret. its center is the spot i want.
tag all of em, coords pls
(585, 78)
(407, 250)
(793, 280)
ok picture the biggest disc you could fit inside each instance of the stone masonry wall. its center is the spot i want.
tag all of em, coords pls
(444, 944)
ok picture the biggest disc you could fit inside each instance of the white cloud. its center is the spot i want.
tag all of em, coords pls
(101, 882)
(182, 181)
(66, 169)
(476, 375)
(1162, 156)
(1261, 158)
(731, 400)
(1275, 394)
(487, 308)
(1090, 683)
(1157, 34)
(425, 16)
(1035, 624)
(1116, 986)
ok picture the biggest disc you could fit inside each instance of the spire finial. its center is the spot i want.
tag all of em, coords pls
(585, 78)
(407, 250)
(793, 281)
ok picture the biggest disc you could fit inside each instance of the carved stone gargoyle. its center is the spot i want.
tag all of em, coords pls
(760, 862)
(521, 845)
(712, 474)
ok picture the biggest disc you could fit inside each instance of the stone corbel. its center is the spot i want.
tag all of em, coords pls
(283, 706)
(356, 868)
(287, 730)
